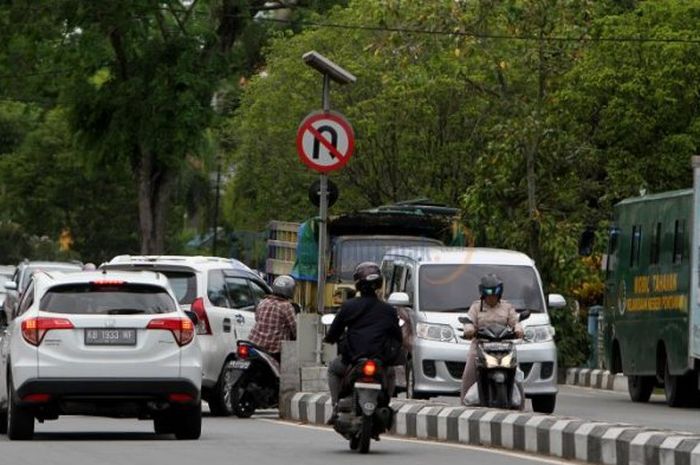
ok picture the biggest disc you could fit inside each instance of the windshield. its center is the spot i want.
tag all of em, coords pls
(356, 251)
(86, 299)
(184, 286)
(445, 288)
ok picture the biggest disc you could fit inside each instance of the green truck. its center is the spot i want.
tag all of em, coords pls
(652, 315)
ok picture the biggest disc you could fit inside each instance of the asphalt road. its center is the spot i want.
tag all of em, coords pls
(612, 406)
(257, 441)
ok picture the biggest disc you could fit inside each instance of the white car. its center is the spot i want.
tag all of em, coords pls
(223, 293)
(100, 343)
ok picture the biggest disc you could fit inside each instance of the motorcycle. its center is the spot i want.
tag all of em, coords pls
(498, 381)
(254, 381)
(363, 410)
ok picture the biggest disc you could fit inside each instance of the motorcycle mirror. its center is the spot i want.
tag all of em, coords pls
(524, 315)
(327, 319)
(465, 320)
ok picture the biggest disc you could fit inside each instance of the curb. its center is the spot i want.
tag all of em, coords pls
(559, 437)
(596, 379)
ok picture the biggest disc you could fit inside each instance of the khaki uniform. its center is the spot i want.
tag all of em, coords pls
(484, 315)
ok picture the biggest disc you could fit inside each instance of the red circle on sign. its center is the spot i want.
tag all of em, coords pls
(306, 126)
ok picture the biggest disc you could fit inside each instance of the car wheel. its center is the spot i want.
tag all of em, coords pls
(219, 400)
(411, 392)
(640, 387)
(188, 422)
(3, 421)
(20, 421)
(163, 424)
(544, 404)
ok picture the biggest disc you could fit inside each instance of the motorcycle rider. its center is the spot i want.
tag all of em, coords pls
(275, 318)
(369, 325)
(489, 309)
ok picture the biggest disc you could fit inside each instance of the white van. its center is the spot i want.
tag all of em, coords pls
(440, 284)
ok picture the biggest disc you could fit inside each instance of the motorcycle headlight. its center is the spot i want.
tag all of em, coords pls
(433, 332)
(491, 361)
(543, 333)
(507, 361)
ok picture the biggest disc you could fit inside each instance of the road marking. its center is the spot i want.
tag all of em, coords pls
(432, 443)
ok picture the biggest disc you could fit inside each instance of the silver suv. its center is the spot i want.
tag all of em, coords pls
(223, 293)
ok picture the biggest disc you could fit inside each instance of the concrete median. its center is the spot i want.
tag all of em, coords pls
(566, 438)
(596, 379)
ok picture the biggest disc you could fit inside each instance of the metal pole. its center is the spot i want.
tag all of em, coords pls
(216, 206)
(322, 233)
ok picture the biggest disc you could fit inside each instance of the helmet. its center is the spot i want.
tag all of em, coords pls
(367, 275)
(89, 267)
(491, 284)
(283, 286)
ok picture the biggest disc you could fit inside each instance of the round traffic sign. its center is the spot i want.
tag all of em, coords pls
(325, 141)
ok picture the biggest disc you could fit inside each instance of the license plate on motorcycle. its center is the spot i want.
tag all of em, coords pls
(241, 364)
(376, 387)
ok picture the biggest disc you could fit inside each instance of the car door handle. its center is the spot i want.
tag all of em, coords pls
(227, 325)
(240, 319)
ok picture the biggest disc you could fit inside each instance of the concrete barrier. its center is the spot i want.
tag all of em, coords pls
(566, 438)
(596, 379)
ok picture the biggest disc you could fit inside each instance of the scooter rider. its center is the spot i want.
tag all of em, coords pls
(369, 325)
(489, 309)
(275, 318)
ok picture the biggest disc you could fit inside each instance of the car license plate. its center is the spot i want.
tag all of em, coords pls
(241, 364)
(110, 337)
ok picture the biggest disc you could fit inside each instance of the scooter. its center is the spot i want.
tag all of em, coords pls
(497, 366)
(363, 408)
(254, 381)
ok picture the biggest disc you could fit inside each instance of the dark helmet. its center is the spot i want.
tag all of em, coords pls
(283, 286)
(491, 285)
(367, 275)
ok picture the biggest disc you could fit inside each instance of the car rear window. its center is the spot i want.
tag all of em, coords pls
(90, 299)
(184, 286)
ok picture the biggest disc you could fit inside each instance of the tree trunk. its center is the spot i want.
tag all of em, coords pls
(154, 187)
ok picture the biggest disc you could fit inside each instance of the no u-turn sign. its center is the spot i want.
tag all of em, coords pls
(325, 141)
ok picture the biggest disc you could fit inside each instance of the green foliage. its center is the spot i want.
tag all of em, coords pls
(573, 344)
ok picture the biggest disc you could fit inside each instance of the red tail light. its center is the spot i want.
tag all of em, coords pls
(108, 282)
(37, 398)
(34, 329)
(182, 328)
(197, 307)
(243, 351)
(369, 369)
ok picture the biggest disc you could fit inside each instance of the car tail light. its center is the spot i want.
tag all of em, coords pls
(34, 329)
(197, 307)
(369, 369)
(36, 398)
(108, 282)
(243, 351)
(180, 397)
(182, 328)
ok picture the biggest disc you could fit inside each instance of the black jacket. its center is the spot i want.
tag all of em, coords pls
(369, 323)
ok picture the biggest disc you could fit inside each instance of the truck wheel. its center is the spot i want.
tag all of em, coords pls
(544, 404)
(640, 387)
(679, 389)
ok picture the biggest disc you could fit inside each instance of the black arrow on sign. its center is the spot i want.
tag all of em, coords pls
(317, 143)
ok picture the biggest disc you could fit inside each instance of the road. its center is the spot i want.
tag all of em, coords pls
(612, 406)
(257, 441)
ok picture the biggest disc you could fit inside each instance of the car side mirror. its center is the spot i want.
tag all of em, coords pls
(192, 316)
(465, 320)
(524, 315)
(399, 299)
(556, 301)
(10, 285)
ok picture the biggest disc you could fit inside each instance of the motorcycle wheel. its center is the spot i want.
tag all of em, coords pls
(502, 396)
(243, 403)
(355, 442)
(365, 434)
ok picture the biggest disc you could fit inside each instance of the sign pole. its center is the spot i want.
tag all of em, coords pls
(322, 231)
